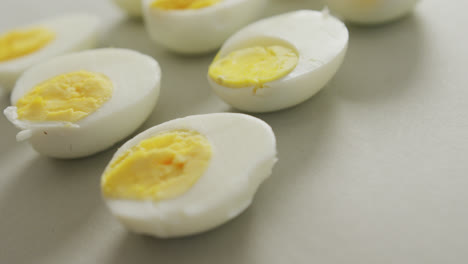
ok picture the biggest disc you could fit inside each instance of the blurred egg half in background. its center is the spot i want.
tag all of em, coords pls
(371, 11)
(197, 26)
(25, 46)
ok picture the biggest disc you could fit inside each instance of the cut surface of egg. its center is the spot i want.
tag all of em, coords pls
(78, 104)
(279, 62)
(132, 7)
(189, 175)
(25, 46)
(371, 11)
(197, 26)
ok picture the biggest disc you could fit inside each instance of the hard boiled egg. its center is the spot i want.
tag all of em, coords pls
(371, 11)
(132, 7)
(279, 62)
(189, 175)
(197, 26)
(78, 104)
(25, 46)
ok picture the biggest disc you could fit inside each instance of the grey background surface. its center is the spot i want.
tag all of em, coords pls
(373, 169)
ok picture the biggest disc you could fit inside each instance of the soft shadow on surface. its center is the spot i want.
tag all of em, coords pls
(8, 136)
(4, 99)
(229, 243)
(301, 133)
(184, 86)
(8, 131)
(300, 142)
(4, 95)
(129, 34)
(46, 203)
(382, 61)
(282, 6)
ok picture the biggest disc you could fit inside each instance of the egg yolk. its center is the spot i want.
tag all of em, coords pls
(68, 97)
(253, 66)
(18, 43)
(158, 168)
(182, 4)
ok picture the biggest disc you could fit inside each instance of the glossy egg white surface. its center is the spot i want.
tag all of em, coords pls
(371, 11)
(244, 152)
(320, 41)
(372, 170)
(199, 30)
(136, 80)
(73, 32)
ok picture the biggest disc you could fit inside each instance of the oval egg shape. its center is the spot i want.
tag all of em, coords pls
(82, 103)
(67, 33)
(279, 62)
(197, 26)
(189, 175)
(371, 11)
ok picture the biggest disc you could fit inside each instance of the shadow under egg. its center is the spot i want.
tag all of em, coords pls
(129, 33)
(230, 239)
(282, 6)
(47, 203)
(9, 131)
(184, 87)
(382, 61)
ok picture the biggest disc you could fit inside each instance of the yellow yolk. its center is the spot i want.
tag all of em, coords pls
(18, 43)
(182, 4)
(162, 167)
(68, 97)
(253, 66)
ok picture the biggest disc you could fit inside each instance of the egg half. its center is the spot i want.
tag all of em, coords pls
(25, 46)
(189, 175)
(82, 103)
(197, 26)
(132, 7)
(371, 11)
(279, 62)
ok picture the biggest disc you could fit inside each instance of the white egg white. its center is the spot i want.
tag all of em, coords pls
(320, 41)
(199, 30)
(132, 7)
(371, 11)
(136, 80)
(244, 152)
(73, 32)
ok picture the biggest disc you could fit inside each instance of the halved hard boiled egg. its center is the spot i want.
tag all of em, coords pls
(279, 62)
(25, 46)
(189, 175)
(132, 7)
(82, 103)
(371, 11)
(197, 26)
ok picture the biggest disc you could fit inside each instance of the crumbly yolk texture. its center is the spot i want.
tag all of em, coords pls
(19, 43)
(182, 4)
(68, 97)
(253, 66)
(161, 167)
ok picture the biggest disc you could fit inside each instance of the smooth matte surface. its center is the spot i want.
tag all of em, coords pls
(373, 169)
